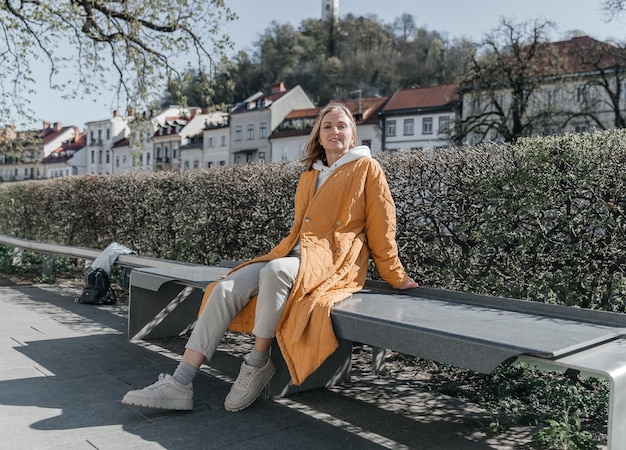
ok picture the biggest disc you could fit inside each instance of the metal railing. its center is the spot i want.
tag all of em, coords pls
(131, 261)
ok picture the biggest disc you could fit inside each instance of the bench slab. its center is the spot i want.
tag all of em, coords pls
(469, 335)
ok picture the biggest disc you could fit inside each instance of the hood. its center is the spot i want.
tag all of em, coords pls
(361, 151)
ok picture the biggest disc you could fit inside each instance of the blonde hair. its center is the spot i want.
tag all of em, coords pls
(313, 148)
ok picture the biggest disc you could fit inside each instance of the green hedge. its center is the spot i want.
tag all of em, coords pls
(542, 220)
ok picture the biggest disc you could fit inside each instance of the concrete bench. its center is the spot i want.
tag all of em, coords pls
(465, 330)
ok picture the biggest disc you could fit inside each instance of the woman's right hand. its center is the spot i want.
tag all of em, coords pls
(408, 284)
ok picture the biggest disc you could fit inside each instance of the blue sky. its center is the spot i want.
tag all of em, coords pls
(455, 18)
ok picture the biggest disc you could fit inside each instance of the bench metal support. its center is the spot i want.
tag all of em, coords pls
(608, 361)
(163, 306)
(334, 371)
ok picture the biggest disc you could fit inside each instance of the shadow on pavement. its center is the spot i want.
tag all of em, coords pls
(62, 386)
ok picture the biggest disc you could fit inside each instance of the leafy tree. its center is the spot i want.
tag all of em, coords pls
(280, 51)
(198, 88)
(139, 42)
(404, 27)
(363, 48)
(334, 60)
(246, 77)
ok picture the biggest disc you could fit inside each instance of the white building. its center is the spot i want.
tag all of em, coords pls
(254, 120)
(216, 142)
(205, 141)
(576, 85)
(101, 136)
(61, 162)
(138, 148)
(290, 138)
(22, 157)
(420, 118)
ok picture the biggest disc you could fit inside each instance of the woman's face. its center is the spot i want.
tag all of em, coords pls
(336, 133)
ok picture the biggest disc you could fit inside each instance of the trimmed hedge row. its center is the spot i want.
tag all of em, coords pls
(544, 219)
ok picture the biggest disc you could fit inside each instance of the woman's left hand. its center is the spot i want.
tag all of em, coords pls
(408, 284)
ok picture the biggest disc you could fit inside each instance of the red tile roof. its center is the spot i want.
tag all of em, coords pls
(576, 55)
(303, 113)
(49, 134)
(370, 108)
(419, 98)
(67, 150)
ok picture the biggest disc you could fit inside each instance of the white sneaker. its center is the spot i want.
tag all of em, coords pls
(167, 393)
(248, 385)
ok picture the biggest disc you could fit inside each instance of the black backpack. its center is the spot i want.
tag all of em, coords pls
(97, 290)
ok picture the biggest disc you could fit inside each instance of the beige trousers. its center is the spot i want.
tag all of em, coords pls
(272, 281)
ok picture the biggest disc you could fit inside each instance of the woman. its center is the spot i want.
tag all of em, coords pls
(343, 213)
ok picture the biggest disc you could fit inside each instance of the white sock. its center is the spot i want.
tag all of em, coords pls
(257, 358)
(185, 373)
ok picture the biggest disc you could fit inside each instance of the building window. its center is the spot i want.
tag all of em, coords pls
(117, 161)
(550, 130)
(261, 156)
(210, 142)
(262, 130)
(108, 134)
(444, 125)
(238, 133)
(93, 157)
(108, 156)
(223, 140)
(391, 128)
(427, 125)
(250, 131)
(551, 97)
(581, 94)
(476, 104)
(408, 127)
(581, 128)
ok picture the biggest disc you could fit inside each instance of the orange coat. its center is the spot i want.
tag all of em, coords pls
(351, 215)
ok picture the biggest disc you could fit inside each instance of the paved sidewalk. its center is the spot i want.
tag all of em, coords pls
(65, 366)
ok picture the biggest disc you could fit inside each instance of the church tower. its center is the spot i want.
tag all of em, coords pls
(330, 10)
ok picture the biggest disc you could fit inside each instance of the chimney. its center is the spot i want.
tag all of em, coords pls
(116, 114)
(57, 126)
(46, 125)
(278, 87)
